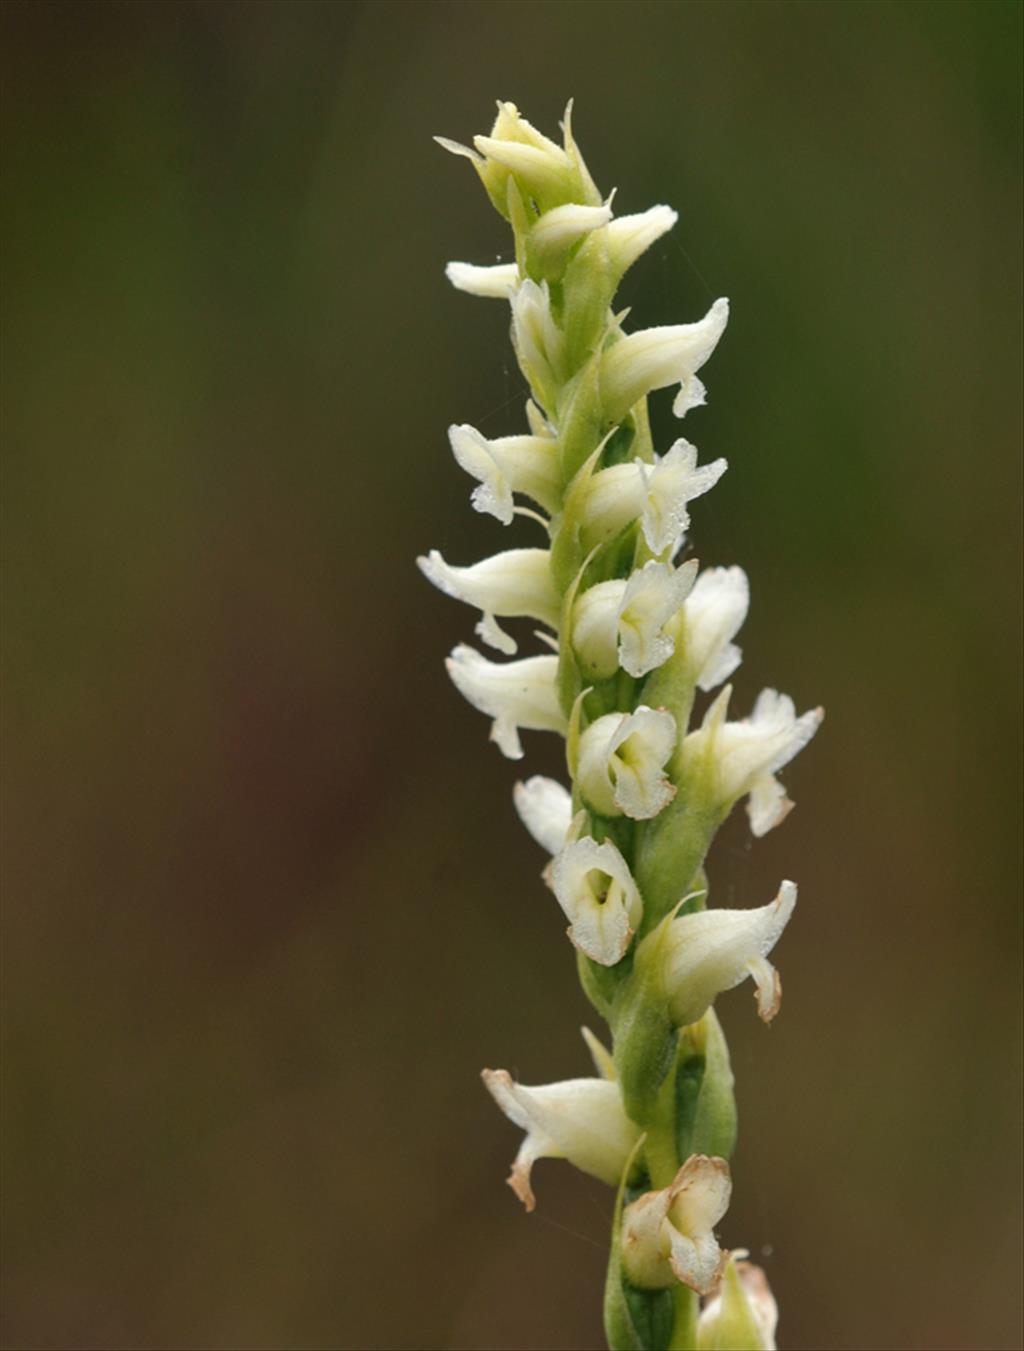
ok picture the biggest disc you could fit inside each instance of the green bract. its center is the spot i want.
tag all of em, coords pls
(632, 634)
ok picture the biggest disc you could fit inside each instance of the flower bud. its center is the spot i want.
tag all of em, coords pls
(743, 1313)
(581, 1120)
(514, 693)
(595, 889)
(507, 465)
(736, 758)
(545, 809)
(622, 762)
(668, 1235)
(557, 231)
(514, 583)
(656, 357)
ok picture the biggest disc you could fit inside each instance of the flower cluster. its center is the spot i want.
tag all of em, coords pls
(632, 632)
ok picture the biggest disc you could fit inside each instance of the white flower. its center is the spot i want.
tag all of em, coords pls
(744, 757)
(622, 762)
(496, 282)
(536, 338)
(706, 953)
(595, 888)
(630, 236)
(656, 493)
(514, 583)
(742, 1313)
(516, 694)
(507, 465)
(581, 1120)
(714, 611)
(624, 622)
(545, 809)
(558, 230)
(668, 1235)
(656, 357)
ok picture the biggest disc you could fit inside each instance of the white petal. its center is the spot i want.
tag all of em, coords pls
(496, 282)
(595, 629)
(545, 809)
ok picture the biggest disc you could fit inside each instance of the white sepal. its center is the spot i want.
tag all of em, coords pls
(507, 465)
(656, 493)
(668, 1235)
(630, 236)
(743, 1311)
(743, 757)
(515, 583)
(622, 763)
(496, 282)
(582, 1120)
(595, 889)
(625, 623)
(714, 611)
(545, 809)
(656, 357)
(516, 694)
(706, 953)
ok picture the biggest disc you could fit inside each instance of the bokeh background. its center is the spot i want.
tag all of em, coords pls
(268, 910)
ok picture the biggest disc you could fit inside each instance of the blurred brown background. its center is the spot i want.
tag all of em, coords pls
(268, 910)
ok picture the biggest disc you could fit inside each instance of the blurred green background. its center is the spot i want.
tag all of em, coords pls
(268, 910)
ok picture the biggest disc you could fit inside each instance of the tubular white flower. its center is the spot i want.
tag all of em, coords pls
(630, 236)
(622, 762)
(704, 954)
(581, 1120)
(657, 494)
(514, 583)
(507, 465)
(558, 230)
(545, 809)
(495, 283)
(712, 616)
(516, 694)
(595, 888)
(624, 622)
(742, 1313)
(656, 357)
(537, 341)
(744, 757)
(668, 1235)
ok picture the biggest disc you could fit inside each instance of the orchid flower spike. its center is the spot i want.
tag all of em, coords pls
(627, 632)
